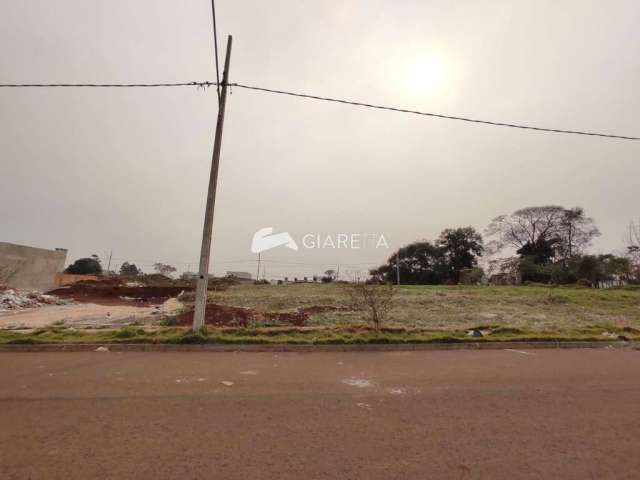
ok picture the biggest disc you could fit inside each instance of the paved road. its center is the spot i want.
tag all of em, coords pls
(414, 415)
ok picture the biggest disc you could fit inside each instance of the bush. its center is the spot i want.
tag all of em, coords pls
(376, 299)
(85, 266)
(471, 276)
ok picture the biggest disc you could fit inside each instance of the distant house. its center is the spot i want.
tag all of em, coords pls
(193, 276)
(189, 276)
(240, 276)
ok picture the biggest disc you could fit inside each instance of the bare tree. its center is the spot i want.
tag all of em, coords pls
(569, 230)
(525, 226)
(634, 236)
(576, 231)
(633, 247)
(164, 269)
(376, 299)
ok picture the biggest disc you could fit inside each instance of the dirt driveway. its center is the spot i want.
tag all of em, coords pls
(84, 315)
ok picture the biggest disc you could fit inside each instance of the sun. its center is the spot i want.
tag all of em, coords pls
(426, 74)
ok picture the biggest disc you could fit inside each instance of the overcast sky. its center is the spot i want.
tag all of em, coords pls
(95, 170)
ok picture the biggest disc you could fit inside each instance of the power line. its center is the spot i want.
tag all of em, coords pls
(108, 85)
(207, 84)
(438, 115)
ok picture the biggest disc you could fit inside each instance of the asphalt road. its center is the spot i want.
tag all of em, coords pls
(415, 415)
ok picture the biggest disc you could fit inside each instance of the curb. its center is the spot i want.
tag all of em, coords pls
(150, 347)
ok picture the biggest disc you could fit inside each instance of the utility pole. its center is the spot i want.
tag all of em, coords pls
(398, 268)
(109, 264)
(338, 273)
(207, 232)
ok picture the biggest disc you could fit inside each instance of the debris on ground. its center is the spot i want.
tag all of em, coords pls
(398, 391)
(102, 349)
(518, 351)
(474, 333)
(357, 382)
(249, 372)
(17, 299)
(227, 383)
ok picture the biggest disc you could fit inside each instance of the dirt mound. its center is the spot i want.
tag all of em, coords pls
(104, 281)
(114, 291)
(157, 280)
(227, 316)
(141, 290)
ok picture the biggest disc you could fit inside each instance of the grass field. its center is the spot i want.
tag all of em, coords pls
(420, 314)
(455, 307)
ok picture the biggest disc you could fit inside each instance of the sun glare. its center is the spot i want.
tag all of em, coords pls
(426, 74)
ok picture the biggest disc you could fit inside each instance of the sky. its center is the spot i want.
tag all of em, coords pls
(126, 170)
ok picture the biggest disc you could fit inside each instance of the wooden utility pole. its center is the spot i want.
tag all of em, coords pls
(398, 268)
(207, 232)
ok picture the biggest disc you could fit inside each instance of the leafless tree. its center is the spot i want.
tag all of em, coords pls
(576, 231)
(571, 228)
(376, 299)
(633, 247)
(164, 269)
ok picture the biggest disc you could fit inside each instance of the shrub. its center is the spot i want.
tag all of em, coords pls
(376, 299)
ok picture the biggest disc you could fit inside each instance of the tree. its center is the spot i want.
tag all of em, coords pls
(527, 225)
(376, 299)
(614, 267)
(420, 263)
(329, 276)
(576, 232)
(542, 252)
(600, 268)
(533, 230)
(163, 269)
(633, 250)
(130, 270)
(461, 248)
(85, 266)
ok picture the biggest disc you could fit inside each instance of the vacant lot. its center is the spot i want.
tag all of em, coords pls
(453, 308)
(324, 314)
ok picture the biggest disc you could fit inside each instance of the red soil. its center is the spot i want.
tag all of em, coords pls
(113, 291)
(225, 315)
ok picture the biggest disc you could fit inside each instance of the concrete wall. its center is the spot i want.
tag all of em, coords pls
(30, 268)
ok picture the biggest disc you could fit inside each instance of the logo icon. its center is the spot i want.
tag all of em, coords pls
(264, 239)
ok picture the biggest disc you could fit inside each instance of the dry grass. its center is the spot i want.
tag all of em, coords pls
(455, 307)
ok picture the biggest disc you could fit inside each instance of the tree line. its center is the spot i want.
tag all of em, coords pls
(93, 266)
(545, 244)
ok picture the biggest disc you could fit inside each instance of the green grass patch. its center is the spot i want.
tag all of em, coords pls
(304, 336)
